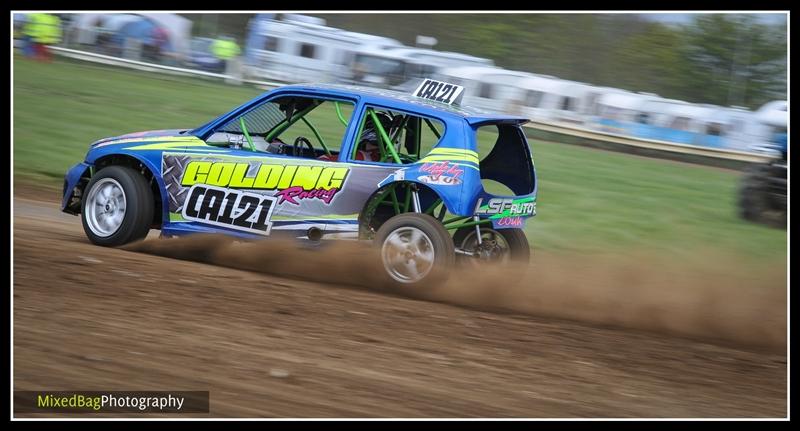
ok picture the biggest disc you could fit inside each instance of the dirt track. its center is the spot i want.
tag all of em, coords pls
(89, 318)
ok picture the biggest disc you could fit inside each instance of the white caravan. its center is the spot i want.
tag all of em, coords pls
(740, 127)
(554, 100)
(623, 106)
(617, 111)
(390, 67)
(295, 50)
(488, 88)
(689, 123)
(772, 121)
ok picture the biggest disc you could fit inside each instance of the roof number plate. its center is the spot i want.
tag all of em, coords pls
(439, 91)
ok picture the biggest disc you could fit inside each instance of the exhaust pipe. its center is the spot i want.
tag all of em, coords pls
(314, 234)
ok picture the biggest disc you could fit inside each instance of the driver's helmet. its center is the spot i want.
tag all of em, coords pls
(369, 136)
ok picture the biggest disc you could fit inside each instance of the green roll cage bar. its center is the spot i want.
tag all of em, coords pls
(387, 144)
(387, 149)
(388, 196)
(286, 123)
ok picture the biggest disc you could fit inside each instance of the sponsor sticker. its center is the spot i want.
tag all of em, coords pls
(293, 183)
(441, 173)
(441, 180)
(502, 208)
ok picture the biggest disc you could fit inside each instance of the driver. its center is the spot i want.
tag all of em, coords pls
(368, 145)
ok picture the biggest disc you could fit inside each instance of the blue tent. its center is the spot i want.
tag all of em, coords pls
(143, 30)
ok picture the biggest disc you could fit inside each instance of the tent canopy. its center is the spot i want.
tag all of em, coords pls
(178, 28)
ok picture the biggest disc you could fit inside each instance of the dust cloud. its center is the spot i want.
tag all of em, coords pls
(718, 298)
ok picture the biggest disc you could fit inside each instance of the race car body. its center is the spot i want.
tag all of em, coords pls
(372, 156)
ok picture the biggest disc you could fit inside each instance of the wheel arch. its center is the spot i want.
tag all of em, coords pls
(371, 218)
(146, 169)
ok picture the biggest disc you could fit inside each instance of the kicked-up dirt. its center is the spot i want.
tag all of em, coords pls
(276, 330)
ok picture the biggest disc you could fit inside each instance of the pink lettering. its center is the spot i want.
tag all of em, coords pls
(293, 194)
(437, 169)
(510, 221)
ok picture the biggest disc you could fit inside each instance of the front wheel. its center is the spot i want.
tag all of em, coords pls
(415, 250)
(501, 246)
(117, 207)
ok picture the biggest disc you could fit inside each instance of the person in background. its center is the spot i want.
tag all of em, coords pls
(157, 44)
(42, 30)
(225, 48)
(28, 33)
(102, 36)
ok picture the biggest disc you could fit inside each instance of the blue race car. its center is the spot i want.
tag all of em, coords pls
(426, 180)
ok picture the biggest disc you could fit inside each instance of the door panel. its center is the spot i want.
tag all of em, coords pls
(212, 189)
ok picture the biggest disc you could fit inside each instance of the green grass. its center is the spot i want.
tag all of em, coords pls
(589, 200)
(592, 200)
(62, 107)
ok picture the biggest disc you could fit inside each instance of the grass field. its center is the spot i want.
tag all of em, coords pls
(589, 200)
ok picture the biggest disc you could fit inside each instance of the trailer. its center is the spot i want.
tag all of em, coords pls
(296, 49)
(392, 67)
(488, 88)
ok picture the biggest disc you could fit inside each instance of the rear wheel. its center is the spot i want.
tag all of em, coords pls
(497, 246)
(117, 208)
(415, 250)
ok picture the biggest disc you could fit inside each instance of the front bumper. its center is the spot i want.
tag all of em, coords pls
(74, 181)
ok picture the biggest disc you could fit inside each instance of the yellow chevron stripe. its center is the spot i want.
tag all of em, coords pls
(168, 145)
(155, 138)
(453, 151)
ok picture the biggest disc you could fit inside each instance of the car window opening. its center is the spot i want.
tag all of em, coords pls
(395, 137)
(506, 166)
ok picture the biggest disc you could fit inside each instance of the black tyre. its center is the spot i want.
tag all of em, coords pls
(415, 250)
(497, 246)
(757, 202)
(117, 207)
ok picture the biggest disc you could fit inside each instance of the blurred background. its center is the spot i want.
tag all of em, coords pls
(716, 80)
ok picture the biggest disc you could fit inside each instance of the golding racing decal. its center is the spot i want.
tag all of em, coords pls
(293, 183)
(229, 208)
(441, 173)
(302, 191)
